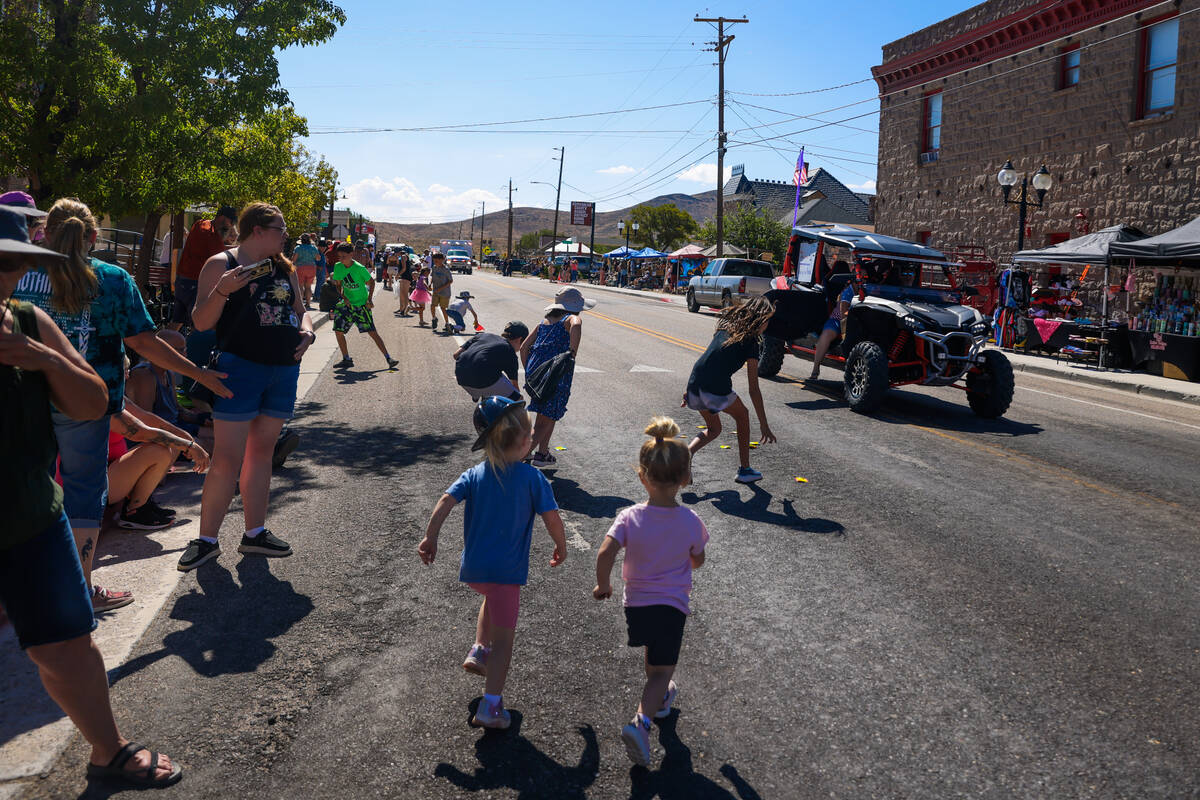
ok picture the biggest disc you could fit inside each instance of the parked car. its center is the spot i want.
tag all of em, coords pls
(727, 281)
(897, 332)
(459, 261)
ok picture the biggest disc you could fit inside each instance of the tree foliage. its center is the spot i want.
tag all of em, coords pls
(530, 241)
(755, 230)
(662, 227)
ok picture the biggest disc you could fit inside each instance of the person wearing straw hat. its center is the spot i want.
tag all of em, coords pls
(559, 333)
(42, 588)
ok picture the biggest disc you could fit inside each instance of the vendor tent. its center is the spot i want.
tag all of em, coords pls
(1092, 248)
(1181, 244)
(621, 252)
(730, 250)
(648, 252)
(689, 251)
(570, 247)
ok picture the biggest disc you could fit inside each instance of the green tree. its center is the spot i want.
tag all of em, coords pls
(749, 228)
(662, 227)
(530, 241)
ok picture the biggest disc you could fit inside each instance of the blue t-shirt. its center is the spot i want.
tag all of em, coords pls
(100, 330)
(306, 255)
(499, 513)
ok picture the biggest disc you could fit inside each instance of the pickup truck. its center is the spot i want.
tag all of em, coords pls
(727, 281)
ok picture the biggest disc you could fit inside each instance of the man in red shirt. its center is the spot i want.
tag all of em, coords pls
(205, 240)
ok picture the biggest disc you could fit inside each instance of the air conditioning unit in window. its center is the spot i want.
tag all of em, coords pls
(929, 158)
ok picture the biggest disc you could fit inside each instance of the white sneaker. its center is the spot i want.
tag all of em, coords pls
(748, 475)
(476, 660)
(495, 717)
(637, 743)
(665, 711)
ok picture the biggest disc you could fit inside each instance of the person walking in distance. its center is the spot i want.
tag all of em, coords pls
(403, 284)
(42, 589)
(663, 542)
(357, 286)
(420, 296)
(561, 331)
(441, 279)
(250, 295)
(710, 387)
(305, 259)
(502, 496)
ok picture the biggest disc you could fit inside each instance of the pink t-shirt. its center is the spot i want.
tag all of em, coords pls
(659, 543)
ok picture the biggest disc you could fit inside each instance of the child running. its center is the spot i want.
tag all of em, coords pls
(710, 387)
(663, 543)
(502, 496)
(420, 296)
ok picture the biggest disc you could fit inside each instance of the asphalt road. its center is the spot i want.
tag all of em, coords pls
(948, 607)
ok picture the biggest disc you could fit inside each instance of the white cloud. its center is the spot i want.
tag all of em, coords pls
(702, 173)
(618, 170)
(866, 186)
(399, 200)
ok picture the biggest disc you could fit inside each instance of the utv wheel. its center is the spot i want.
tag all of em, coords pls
(990, 391)
(692, 305)
(866, 378)
(770, 356)
(726, 300)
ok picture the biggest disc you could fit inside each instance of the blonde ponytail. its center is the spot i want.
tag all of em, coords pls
(69, 228)
(664, 459)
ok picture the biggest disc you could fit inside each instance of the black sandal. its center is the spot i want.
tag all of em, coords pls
(141, 777)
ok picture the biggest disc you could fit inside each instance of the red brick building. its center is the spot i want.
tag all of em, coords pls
(1105, 93)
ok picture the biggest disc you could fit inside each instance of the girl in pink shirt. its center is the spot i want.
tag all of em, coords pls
(663, 543)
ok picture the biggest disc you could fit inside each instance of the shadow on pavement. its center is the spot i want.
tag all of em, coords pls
(933, 412)
(333, 444)
(675, 777)
(233, 622)
(510, 761)
(757, 509)
(573, 497)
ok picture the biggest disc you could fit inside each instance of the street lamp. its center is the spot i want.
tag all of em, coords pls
(622, 227)
(1007, 178)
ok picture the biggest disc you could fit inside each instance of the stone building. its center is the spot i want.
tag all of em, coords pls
(823, 198)
(1105, 93)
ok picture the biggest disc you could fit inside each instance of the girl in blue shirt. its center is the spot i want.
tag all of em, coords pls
(502, 496)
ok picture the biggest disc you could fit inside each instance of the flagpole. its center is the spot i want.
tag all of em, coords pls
(799, 168)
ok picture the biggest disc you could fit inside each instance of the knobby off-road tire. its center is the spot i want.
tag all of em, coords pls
(770, 356)
(866, 378)
(692, 305)
(990, 391)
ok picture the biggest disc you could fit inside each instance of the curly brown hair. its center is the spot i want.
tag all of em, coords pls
(744, 320)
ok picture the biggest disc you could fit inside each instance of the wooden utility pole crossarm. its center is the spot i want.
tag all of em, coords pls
(719, 47)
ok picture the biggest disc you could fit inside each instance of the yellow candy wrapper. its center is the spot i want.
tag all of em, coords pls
(801, 480)
(724, 447)
(560, 448)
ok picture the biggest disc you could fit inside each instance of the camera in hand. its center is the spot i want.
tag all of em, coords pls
(259, 269)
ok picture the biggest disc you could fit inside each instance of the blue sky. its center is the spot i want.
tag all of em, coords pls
(456, 64)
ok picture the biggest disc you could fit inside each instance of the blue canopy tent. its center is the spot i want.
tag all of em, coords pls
(648, 252)
(621, 252)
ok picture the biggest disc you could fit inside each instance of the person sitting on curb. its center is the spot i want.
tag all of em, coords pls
(357, 287)
(486, 365)
(459, 306)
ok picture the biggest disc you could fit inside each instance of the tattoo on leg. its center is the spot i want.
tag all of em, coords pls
(86, 550)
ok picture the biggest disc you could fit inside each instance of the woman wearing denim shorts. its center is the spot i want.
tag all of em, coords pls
(251, 295)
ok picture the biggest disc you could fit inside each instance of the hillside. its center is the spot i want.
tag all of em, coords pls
(529, 220)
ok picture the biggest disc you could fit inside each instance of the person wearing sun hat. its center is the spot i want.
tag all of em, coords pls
(22, 203)
(559, 333)
(42, 588)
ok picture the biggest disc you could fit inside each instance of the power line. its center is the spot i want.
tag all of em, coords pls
(808, 91)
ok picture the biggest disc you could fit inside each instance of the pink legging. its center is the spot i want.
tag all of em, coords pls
(503, 602)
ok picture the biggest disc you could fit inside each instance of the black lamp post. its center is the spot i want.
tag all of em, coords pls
(1007, 177)
(621, 226)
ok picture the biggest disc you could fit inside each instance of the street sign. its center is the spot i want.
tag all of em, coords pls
(582, 213)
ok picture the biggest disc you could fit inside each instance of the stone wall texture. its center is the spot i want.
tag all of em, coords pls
(1105, 162)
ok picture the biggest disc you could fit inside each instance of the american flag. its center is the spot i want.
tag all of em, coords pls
(800, 176)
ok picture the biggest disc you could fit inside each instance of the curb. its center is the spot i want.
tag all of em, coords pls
(1144, 389)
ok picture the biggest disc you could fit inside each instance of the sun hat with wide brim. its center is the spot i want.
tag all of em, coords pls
(20, 203)
(14, 239)
(488, 412)
(570, 300)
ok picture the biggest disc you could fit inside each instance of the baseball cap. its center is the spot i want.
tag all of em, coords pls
(488, 412)
(514, 329)
(20, 203)
(14, 239)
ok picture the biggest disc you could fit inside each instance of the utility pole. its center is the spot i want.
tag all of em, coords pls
(508, 249)
(472, 236)
(481, 220)
(562, 155)
(720, 46)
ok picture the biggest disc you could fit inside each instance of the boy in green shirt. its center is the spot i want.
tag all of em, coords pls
(357, 287)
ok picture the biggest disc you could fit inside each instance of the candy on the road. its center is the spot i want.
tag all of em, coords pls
(560, 448)
(801, 480)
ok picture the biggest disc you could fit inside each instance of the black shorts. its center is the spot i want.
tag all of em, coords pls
(659, 629)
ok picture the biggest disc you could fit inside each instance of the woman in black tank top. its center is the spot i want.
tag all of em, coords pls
(251, 295)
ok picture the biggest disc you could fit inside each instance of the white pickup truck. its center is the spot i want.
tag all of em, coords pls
(727, 281)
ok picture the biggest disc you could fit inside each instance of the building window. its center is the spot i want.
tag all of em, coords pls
(931, 129)
(1068, 70)
(1160, 44)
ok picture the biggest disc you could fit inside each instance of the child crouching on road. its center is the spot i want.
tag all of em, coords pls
(502, 496)
(458, 307)
(663, 543)
(710, 387)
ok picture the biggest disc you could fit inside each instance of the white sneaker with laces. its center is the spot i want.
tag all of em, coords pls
(476, 660)
(748, 475)
(637, 743)
(488, 716)
(665, 711)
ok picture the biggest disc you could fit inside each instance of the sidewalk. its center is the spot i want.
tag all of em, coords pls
(33, 731)
(1121, 380)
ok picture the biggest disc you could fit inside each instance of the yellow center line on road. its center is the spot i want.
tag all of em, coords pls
(1045, 467)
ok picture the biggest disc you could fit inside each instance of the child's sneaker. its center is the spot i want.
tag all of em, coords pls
(346, 361)
(491, 716)
(637, 742)
(476, 660)
(392, 363)
(665, 711)
(748, 475)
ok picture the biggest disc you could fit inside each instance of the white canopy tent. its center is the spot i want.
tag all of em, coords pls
(576, 248)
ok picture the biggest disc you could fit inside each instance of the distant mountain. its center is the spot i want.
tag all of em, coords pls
(530, 220)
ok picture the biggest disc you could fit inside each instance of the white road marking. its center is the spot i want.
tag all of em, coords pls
(1110, 408)
(587, 369)
(461, 340)
(647, 368)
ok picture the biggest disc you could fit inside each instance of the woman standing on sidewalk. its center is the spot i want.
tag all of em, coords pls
(251, 296)
(42, 588)
(561, 331)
